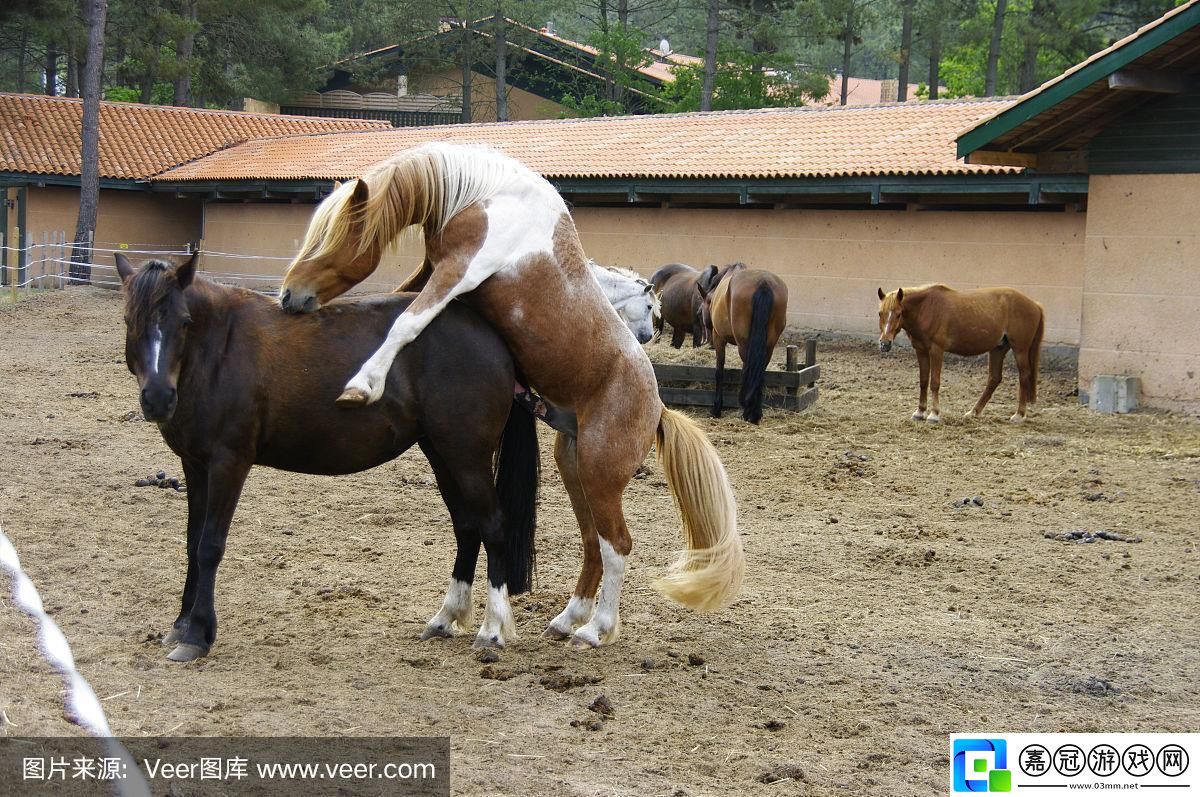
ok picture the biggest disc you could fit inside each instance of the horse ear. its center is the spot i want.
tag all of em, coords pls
(648, 289)
(125, 269)
(186, 270)
(899, 295)
(882, 295)
(361, 193)
(337, 184)
(704, 281)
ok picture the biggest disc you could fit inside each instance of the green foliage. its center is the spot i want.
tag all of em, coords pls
(745, 80)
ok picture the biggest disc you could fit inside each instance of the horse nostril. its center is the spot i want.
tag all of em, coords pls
(285, 297)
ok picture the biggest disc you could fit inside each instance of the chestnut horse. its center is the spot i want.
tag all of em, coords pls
(676, 286)
(747, 307)
(939, 319)
(500, 237)
(232, 382)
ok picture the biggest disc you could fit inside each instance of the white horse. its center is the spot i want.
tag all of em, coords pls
(631, 296)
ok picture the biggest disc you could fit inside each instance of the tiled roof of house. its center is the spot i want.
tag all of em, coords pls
(41, 135)
(895, 139)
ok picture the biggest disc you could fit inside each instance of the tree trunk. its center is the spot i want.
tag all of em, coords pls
(22, 49)
(847, 42)
(935, 63)
(501, 68)
(710, 55)
(993, 60)
(906, 31)
(146, 89)
(466, 70)
(1027, 74)
(51, 70)
(95, 15)
(72, 73)
(183, 54)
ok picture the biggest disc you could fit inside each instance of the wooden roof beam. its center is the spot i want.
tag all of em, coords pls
(992, 157)
(1151, 80)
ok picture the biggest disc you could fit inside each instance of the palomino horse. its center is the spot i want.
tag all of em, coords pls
(500, 237)
(939, 319)
(631, 296)
(747, 307)
(232, 382)
(676, 286)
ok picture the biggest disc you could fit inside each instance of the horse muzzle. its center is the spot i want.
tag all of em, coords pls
(295, 303)
(885, 346)
(158, 403)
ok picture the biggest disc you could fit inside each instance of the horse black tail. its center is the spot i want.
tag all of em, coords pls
(518, 472)
(754, 369)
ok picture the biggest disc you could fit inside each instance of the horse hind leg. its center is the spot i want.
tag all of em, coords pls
(995, 376)
(581, 604)
(1026, 376)
(457, 612)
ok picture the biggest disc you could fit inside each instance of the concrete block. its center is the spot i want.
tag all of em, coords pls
(1114, 393)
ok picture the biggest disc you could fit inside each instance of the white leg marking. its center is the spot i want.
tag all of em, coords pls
(498, 624)
(933, 417)
(918, 416)
(578, 610)
(605, 625)
(455, 614)
(1017, 418)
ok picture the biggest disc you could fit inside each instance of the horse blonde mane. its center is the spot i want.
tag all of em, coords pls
(425, 186)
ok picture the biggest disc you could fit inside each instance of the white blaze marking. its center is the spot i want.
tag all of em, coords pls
(156, 341)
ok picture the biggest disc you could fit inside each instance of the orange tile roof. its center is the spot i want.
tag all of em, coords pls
(41, 135)
(893, 139)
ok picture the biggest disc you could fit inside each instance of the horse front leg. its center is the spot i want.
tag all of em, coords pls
(923, 367)
(451, 277)
(226, 475)
(935, 383)
(195, 476)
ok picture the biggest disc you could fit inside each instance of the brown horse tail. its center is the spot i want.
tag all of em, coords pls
(757, 353)
(518, 466)
(1035, 354)
(709, 571)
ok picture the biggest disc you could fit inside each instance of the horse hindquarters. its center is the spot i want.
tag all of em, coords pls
(757, 353)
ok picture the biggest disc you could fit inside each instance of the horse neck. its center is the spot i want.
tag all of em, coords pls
(215, 310)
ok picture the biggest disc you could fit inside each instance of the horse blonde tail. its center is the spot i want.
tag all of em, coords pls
(1035, 354)
(709, 571)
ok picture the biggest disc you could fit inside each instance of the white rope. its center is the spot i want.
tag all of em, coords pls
(83, 707)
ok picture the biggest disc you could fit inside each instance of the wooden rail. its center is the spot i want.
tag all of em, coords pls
(676, 383)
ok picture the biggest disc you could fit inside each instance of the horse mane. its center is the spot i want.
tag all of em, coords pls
(427, 185)
(618, 270)
(146, 289)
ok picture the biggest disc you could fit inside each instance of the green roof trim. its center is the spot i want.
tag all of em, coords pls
(1015, 116)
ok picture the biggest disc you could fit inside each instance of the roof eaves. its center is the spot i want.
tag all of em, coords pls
(1080, 77)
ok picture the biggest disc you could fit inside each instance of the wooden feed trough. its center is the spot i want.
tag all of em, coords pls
(793, 388)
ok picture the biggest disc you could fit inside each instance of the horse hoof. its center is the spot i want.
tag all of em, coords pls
(436, 631)
(493, 641)
(580, 641)
(971, 414)
(933, 417)
(555, 633)
(186, 652)
(352, 397)
(174, 636)
(918, 416)
(1017, 418)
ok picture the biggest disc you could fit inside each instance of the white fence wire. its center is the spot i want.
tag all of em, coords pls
(47, 264)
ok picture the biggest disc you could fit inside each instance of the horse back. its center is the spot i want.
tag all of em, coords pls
(977, 321)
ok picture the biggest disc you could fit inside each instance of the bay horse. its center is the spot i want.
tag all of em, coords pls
(747, 307)
(631, 296)
(232, 382)
(501, 238)
(676, 286)
(939, 319)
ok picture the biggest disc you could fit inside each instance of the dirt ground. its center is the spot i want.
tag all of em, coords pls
(877, 617)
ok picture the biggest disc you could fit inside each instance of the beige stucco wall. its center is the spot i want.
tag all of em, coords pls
(522, 105)
(1141, 286)
(131, 220)
(834, 260)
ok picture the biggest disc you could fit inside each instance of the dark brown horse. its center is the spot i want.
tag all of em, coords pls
(939, 319)
(747, 307)
(675, 284)
(233, 382)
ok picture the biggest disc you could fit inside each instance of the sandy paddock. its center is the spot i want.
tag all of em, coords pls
(877, 618)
